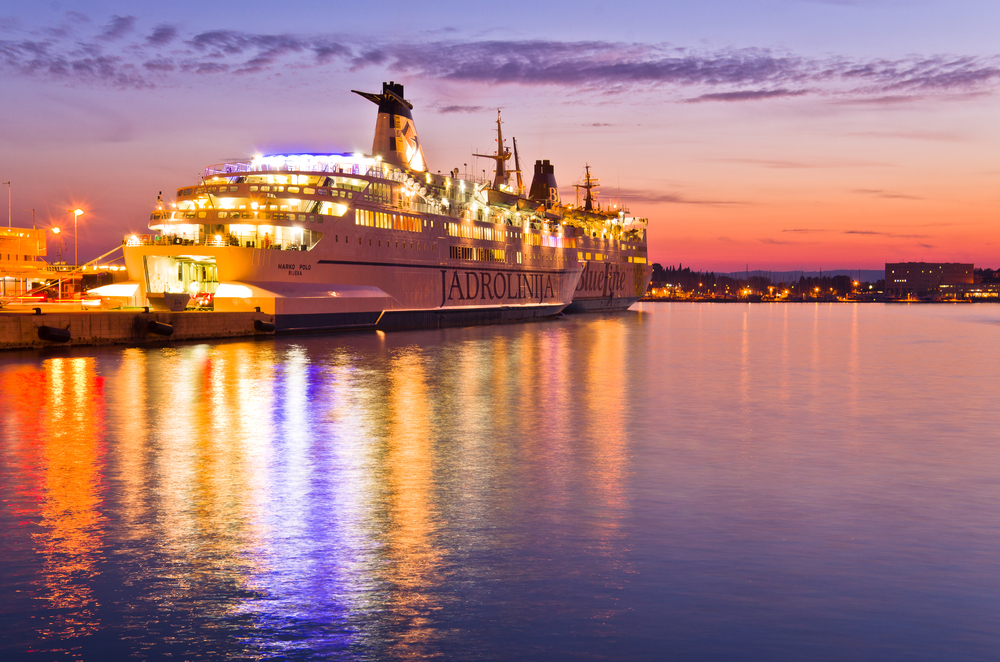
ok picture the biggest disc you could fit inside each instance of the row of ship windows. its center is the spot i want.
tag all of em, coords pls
(418, 246)
(478, 254)
(476, 232)
(209, 189)
(495, 255)
(493, 234)
(267, 216)
(458, 252)
(377, 219)
(305, 191)
(27, 258)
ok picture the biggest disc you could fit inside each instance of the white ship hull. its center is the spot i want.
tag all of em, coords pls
(367, 278)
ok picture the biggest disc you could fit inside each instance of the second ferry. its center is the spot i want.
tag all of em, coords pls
(334, 241)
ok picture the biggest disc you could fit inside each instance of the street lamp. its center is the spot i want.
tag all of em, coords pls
(56, 232)
(76, 216)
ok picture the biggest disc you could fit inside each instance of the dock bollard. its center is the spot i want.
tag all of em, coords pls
(53, 334)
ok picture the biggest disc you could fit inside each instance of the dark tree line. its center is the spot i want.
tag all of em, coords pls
(985, 275)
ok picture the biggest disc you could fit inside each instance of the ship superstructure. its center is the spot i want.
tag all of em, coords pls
(327, 241)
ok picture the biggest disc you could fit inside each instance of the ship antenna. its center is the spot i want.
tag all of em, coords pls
(517, 170)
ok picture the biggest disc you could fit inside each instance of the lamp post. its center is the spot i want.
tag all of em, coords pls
(76, 217)
(56, 232)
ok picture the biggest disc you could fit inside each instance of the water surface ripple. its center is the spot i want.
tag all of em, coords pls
(683, 481)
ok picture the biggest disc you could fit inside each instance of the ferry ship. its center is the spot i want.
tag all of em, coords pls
(338, 241)
(612, 247)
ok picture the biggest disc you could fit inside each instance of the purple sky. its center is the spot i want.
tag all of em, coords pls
(787, 134)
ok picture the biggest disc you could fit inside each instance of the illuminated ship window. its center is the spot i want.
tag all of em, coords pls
(253, 188)
(476, 254)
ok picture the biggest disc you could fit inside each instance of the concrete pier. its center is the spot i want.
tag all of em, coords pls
(24, 329)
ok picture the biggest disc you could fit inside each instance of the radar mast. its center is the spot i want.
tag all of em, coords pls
(589, 183)
(501, 157)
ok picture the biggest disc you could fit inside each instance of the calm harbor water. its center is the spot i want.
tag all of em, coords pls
(684, 481)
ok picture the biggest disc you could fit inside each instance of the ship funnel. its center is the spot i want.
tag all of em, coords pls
(395, 133)
(543, 184)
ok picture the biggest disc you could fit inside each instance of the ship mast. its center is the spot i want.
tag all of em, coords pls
(588, 184)
(500, 157)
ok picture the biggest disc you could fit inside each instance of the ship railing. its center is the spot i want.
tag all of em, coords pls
(209, 242)
(424, 208)
(472, 179)
(377, 171)
(58, 268)
(230, 169)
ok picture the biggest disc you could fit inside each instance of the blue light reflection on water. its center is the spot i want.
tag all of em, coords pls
(690, 481)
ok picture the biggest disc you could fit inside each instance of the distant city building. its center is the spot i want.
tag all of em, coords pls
(925, 278)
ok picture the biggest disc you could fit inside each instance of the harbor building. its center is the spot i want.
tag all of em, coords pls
(22, 254)
(903, 279)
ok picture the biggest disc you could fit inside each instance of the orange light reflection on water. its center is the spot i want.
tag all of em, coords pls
(412, 529)
(71, 526)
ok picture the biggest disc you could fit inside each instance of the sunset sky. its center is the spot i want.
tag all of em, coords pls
(787, 134)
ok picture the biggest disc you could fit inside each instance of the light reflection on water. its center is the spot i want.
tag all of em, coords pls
(691, 481)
